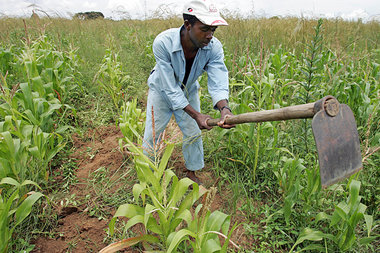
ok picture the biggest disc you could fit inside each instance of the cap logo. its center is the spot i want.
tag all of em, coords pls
(218, 21)
(189, 9)
(212, 8)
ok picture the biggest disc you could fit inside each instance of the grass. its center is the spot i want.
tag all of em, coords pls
(256, 162)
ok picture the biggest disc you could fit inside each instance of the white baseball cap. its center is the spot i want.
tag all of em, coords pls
(206, 11)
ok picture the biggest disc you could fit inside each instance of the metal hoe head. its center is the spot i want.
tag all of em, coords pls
(337, 141)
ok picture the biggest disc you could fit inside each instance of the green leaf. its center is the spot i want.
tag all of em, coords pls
(180, 190)
(186, 203)
(9, 141)
(153, 226)
(29, 182)
(335, 219)
(157, 204)
(313, 247)
(133, 221)
(134, 149)
(216, 220)
(58, 64)
(37, 85)
(322, 216)
(165, 158)
(219, 221)
(126, 210)
(367, 240)
(342, 209)
(148, 174)
(178, 237)
(311, 235)
(354, 192)
(211, 246)
(27, 95)
(169, 174)
(368, 221)
(139, 189)
(129, 210)
(52, 152)
(63, 129)
(26, 206)
(149, 210)
(35, 152)
(185, 216)
(31, 118)
(10, 181)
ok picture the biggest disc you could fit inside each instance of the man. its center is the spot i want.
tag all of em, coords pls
(182, 55)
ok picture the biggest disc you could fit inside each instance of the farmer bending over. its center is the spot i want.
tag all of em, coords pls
(182, 55)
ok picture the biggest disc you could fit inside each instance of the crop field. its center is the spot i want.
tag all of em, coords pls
(73, 177)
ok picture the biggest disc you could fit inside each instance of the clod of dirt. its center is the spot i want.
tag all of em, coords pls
(65, 211)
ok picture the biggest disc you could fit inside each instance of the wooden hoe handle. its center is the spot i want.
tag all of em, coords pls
(305, 111)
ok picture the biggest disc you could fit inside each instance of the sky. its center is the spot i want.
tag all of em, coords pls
(139, 9)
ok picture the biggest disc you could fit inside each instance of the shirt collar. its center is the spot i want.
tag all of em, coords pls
(177, 41)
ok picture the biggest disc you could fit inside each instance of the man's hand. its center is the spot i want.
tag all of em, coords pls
(200, 118)
(225, 112)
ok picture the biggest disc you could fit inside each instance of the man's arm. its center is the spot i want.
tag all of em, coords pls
(218, 83)
(200, 118)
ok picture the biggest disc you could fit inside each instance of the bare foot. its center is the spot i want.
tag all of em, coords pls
(191, 174)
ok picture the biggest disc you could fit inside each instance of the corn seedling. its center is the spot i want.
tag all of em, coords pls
(111, 77)
(132, 121)
(169, 200)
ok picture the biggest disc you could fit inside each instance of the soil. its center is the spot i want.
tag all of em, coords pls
(77, 230)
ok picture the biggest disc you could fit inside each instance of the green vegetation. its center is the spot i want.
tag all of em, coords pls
(163, 194)
(62, 76)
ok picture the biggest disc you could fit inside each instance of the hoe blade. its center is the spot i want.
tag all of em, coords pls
(338, 145)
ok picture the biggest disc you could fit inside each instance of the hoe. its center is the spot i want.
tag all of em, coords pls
(334, 130)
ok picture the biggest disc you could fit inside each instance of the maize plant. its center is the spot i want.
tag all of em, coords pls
(132, 121)
(161, 195)
(111, 77)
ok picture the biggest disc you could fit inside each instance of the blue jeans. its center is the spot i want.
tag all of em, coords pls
(192, 146)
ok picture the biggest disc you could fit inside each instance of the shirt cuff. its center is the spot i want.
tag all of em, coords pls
(220, 96)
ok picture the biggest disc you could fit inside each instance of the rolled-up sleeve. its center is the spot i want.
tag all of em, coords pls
(217, 75)
(169, 86)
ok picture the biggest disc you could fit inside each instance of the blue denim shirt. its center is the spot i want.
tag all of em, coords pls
(168, 74)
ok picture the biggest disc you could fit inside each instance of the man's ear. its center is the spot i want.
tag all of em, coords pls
(187, 24)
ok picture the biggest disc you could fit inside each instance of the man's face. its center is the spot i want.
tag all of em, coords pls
(201, 34)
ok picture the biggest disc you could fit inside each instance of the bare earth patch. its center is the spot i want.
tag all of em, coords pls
(77, 231)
